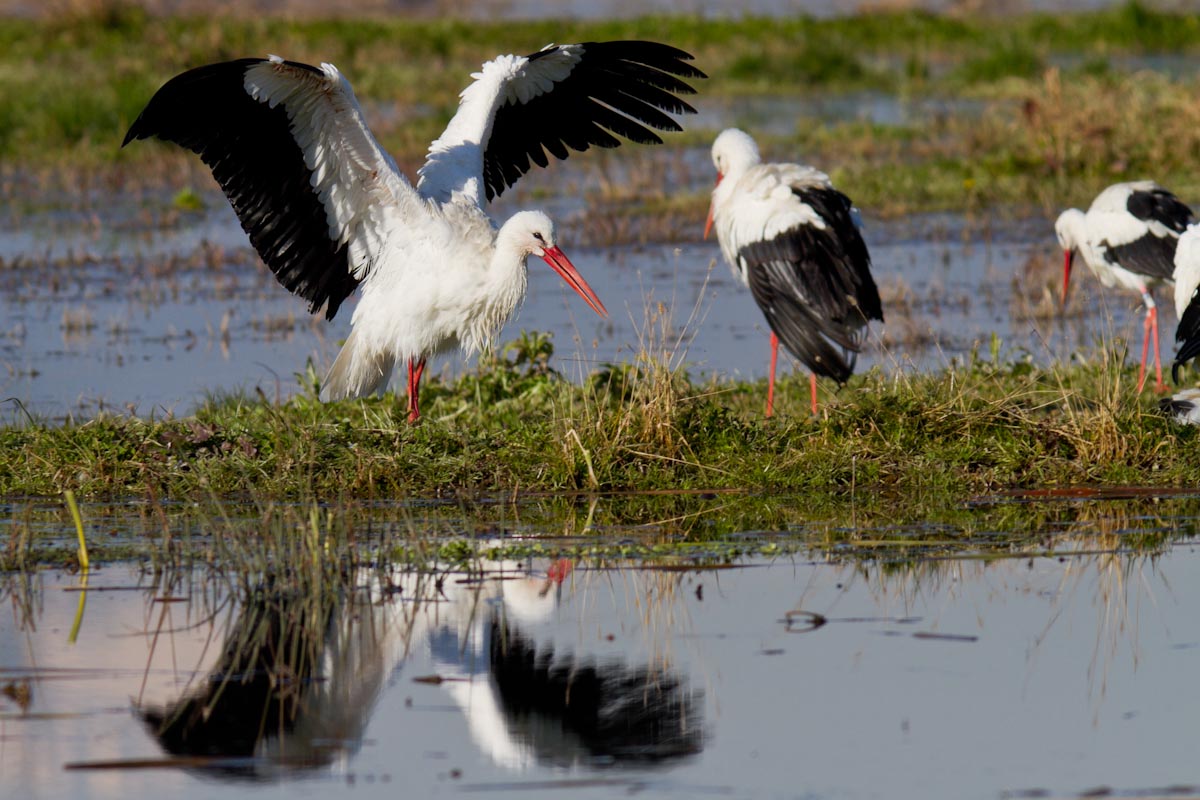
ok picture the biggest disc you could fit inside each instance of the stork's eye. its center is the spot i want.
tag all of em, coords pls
(538, 236)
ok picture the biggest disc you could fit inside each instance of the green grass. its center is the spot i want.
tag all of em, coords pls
(456, 527)
(885, 449)
(685, 530)
(511, 461)
(513, 426)
(70, 87)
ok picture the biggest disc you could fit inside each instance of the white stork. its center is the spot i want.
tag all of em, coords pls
(1127, 238)
(1185, 406)
(794, 240)
(327, 209)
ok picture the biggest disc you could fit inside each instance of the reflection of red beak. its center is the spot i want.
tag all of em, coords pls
(1068, 260)
(559, 570)
(555, 575)
(558, 260)
(708, 221)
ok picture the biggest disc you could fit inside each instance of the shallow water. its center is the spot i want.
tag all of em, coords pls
(1060, 671)
(155, 320)
(111, 299)
(785, 115)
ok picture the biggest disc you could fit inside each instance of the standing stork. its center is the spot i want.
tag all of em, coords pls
(1185, 406)
(794, 240)
(1128, 238)
(328, 211)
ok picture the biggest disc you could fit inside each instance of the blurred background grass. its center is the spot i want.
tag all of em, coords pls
(1070, 101)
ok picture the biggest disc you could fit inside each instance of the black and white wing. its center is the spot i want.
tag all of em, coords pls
(1137, 226)
(288, 145)
(813, 282)
(1187, 299)
(561, 98)
(1183, 407)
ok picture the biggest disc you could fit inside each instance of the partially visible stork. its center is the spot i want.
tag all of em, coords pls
(794, 240)
(1128, 238)
(1185, 405)
(327, 209)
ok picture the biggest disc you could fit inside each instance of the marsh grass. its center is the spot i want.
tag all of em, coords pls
(340, 547)
(1035, 289)
(992, 423)
(634, 408)
(1045, 142)
(890, 444)
(96, 64)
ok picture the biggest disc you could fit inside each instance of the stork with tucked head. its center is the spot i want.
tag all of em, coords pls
(1127, 238)
(794, 240)
(329, 212)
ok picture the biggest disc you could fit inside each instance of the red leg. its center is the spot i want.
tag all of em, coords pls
(1145, 349)
(813, 382)
(771, 379)
(414, 389)
(412, 413)
(1159, 386)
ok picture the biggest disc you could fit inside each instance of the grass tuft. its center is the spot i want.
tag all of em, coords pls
(990, 424)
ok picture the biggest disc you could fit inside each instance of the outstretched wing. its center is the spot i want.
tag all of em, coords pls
(1187, 299)
(562, 98)
(288, 145)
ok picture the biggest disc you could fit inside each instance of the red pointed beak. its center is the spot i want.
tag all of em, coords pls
(558, 260)
(1068, 260)
(708, 222)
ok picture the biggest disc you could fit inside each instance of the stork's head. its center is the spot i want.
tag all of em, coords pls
(531, 233)
(733, 152)
(1071, 230)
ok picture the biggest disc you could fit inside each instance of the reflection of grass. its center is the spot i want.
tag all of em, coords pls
(901, 535)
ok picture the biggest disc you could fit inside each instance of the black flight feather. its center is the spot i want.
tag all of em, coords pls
(814, 285)
(251, 151)
(620, 88)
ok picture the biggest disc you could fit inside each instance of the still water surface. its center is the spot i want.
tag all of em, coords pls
(1026, 675)
(155, 322)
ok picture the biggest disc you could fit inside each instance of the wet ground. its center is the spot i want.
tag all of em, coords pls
(1031, 646)
(1061, 668)
(109, 310)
